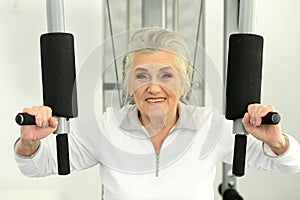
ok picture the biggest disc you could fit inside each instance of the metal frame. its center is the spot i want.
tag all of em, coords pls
(55, 16)
(56, 23)
(154, 13)
(239, 16)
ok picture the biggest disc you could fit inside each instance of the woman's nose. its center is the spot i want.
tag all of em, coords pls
(154, 88)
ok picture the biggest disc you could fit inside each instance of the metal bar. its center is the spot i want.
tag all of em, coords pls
(56, 23)
(113, 50)
(164, 14)
(229, 177)
(231, 18)
(175, 14)
(203, 42)
(63, 126)
(239, 16)
(153, 13)
(231, 24)
(129, 15)
(111, 86)
(55, 16)
(247, 16)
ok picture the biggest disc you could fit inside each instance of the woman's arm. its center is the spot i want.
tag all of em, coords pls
(35, 150)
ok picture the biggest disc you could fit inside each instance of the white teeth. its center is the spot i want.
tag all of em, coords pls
(155, 100)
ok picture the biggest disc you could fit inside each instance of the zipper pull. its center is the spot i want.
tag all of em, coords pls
(157, 164)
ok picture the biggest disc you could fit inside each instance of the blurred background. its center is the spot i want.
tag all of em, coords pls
(22, 22)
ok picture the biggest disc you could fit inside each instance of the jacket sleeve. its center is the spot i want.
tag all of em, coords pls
(44, 161)
(260, 156)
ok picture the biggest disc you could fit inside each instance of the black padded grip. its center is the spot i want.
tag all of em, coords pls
(25, 119)
(63, 154)
(271, 118)
(231, 194)
(58, 74)
(239, 155)
(244, 73)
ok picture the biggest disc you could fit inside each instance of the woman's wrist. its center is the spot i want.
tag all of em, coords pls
(26, 147)
(281, 146)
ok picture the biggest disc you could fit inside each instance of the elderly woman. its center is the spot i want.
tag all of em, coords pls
(158, 147)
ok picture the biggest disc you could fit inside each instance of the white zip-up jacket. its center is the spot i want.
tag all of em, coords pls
(130, 168)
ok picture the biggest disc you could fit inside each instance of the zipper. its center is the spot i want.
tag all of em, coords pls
(157, 154)
(157, 163)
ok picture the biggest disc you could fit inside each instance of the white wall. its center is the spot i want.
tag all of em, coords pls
(23, 21)
(278, 22)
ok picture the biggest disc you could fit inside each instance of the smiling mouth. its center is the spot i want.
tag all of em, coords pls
(155, 100)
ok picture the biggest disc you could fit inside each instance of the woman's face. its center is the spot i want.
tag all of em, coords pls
(156, 84)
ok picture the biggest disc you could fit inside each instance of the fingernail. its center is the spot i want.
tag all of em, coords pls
(253, 122)
(45, 124)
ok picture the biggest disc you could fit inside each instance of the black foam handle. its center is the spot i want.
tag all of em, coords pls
(25, 119)
(244, 73)
(239, 155)
(59, 74)
(271, 118)
(231, 194)
(62, 146)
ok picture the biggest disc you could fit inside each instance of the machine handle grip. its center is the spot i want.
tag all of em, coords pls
(63, 160)
(25, 119)
(62, 143)
(271, 118)
(239, 155)
(240, 145)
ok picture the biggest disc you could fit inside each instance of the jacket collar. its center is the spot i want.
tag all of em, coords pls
(186, 120)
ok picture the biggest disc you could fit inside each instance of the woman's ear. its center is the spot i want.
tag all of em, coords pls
(184, 87)
(130, 88)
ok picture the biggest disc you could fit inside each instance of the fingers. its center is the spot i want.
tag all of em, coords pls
(45, 123)
(42, 114)
(53, 122)
(256, 112)
(246, 119)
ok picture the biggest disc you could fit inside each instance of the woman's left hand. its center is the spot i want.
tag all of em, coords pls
(269, 134)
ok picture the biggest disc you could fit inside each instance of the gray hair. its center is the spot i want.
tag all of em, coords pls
(157, 39)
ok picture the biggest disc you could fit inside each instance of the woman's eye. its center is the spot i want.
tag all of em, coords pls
(167, 75)
(141, 76)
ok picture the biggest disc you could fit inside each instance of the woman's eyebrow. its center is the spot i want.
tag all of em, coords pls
(166, 68)
(140, 69)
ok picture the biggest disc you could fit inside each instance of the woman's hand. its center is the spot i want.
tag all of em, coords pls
(269, 134)
(31, 134)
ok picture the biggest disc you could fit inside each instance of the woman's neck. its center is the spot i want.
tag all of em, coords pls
(158, 128)
(157, 123)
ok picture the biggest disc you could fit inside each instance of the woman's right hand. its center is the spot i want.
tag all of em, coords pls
(31, 134)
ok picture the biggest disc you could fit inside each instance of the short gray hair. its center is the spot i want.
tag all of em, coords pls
(157, 39)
